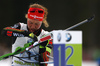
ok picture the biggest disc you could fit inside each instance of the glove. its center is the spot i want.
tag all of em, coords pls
(43, 45)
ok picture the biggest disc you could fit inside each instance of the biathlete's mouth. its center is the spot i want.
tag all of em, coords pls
(32, 30)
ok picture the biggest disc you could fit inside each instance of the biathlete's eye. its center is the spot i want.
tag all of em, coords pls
(30, 22)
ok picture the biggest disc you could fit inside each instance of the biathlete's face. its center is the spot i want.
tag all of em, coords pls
(35, 18)
(33, 25)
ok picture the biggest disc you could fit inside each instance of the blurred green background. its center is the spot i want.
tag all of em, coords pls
(62, 14)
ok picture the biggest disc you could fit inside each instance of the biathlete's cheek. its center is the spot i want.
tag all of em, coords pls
(37, 25)
(29, 25)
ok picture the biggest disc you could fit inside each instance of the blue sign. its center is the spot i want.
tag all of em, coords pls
(59, 54)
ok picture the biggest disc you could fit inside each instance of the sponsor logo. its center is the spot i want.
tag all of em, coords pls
(36, 16)
(9, 33)
(59, 37)
(17, 34)
(68, 37)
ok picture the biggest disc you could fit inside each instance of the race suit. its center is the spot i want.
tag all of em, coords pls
(41, 53)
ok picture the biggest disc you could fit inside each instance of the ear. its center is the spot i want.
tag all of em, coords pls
(25, 15)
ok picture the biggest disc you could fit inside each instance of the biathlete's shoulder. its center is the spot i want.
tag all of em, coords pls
(44, 32)
(23, 26)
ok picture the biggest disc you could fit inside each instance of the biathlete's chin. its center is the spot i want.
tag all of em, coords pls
(32, 30)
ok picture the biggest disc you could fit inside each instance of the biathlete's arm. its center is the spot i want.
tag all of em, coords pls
(14, 31)
(44, 50)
